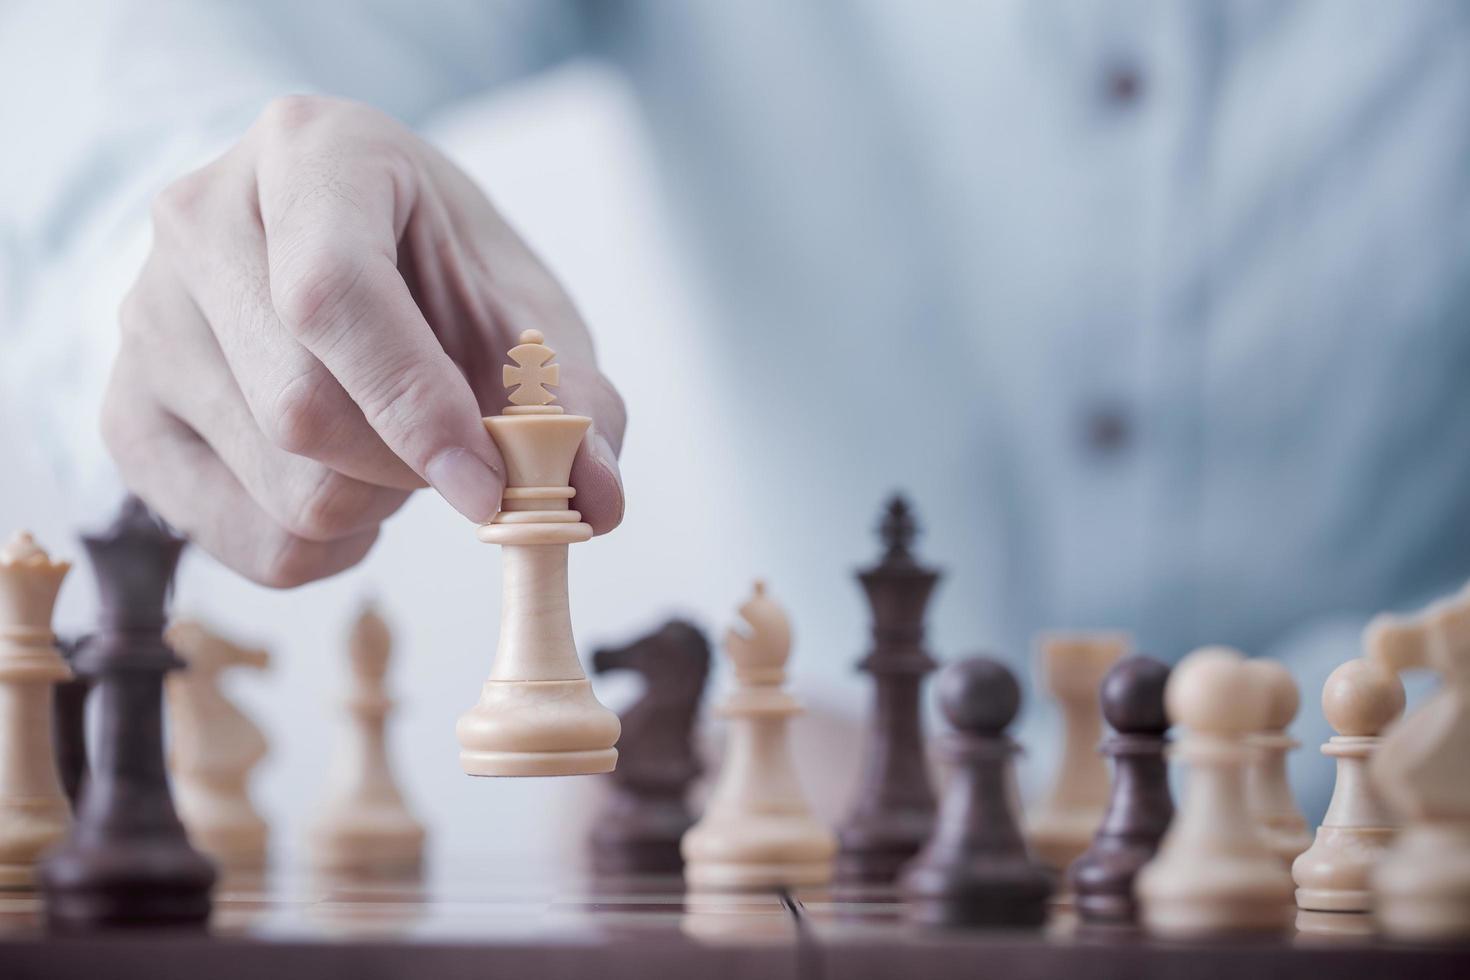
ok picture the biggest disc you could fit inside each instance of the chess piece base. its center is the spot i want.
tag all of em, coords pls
(640, 836)
(748, 850)
(1334, 925)
(146, 883)
(1333, 875)
(734, 876)
(17, 877)
(573, 734)
(1206, 895)
(1057, 839)
(987, 893)
(384, 853)
(234, 849)
(872, 851)
(1422, 885)
(1334, 900)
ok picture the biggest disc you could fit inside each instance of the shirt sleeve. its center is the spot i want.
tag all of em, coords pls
(107, 100)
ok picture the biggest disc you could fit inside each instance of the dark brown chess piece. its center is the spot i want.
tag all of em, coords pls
(638, 833)
(127, 859)
(1139, 806)
(975, 869)
(69, 724)
(894, 809)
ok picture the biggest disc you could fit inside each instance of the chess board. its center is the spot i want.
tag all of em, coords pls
(488, 923)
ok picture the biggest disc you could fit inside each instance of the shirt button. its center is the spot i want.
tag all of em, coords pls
(1107, 430)
(1123, 84)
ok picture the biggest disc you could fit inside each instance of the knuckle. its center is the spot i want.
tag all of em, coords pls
(178, 206)
(310, 293)
(289, 114)
(332, 507)
(287, 561)
(299, 418)
(399, 406)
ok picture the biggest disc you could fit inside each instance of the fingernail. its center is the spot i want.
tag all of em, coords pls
(603, 451)
(471, 487)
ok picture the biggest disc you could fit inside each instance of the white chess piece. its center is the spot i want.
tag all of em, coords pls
(213, 746)
(1421, 886)
(1268, 791)
(1360, 699)
(757, 830)
(1072, 666)
(365, 828)
(1213, 873)
(34, 813)
(537, 715)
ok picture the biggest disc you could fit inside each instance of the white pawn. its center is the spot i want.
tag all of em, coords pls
(1360, 699)
(1213, 873)
(365, 828)
(1421, 887)
(213, 747)
(757, 830)
(1268, 792)
(34, 813)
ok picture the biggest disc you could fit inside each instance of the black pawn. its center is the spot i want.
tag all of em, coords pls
(639, 830)
(894, 810)
(1139, 807)
(975, 870)
(127, 859)
(69, 724)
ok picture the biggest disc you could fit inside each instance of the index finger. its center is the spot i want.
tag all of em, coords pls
(332, 222)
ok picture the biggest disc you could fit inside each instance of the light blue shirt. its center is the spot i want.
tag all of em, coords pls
(1161, 310)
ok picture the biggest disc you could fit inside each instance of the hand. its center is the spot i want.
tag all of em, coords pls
(318, 330)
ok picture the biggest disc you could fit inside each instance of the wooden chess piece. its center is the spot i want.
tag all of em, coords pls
(1267, 789)
(757, 830)
(1140, 807)
(894, 810)
(1421, 886)
(647, 814)
(1072, 667)
(1360, 699)
(213, 746)
(365, 829)
(127, 858)
(34, 812)
(69, 724)
(537, 715)
(1213, 873)
(975, 869)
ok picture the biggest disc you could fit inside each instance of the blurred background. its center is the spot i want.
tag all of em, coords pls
(1160, 315)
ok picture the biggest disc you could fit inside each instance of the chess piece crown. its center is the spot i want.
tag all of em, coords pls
(538, 442)
(29, 584)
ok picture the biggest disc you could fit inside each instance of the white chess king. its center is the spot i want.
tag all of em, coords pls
(537, 715)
